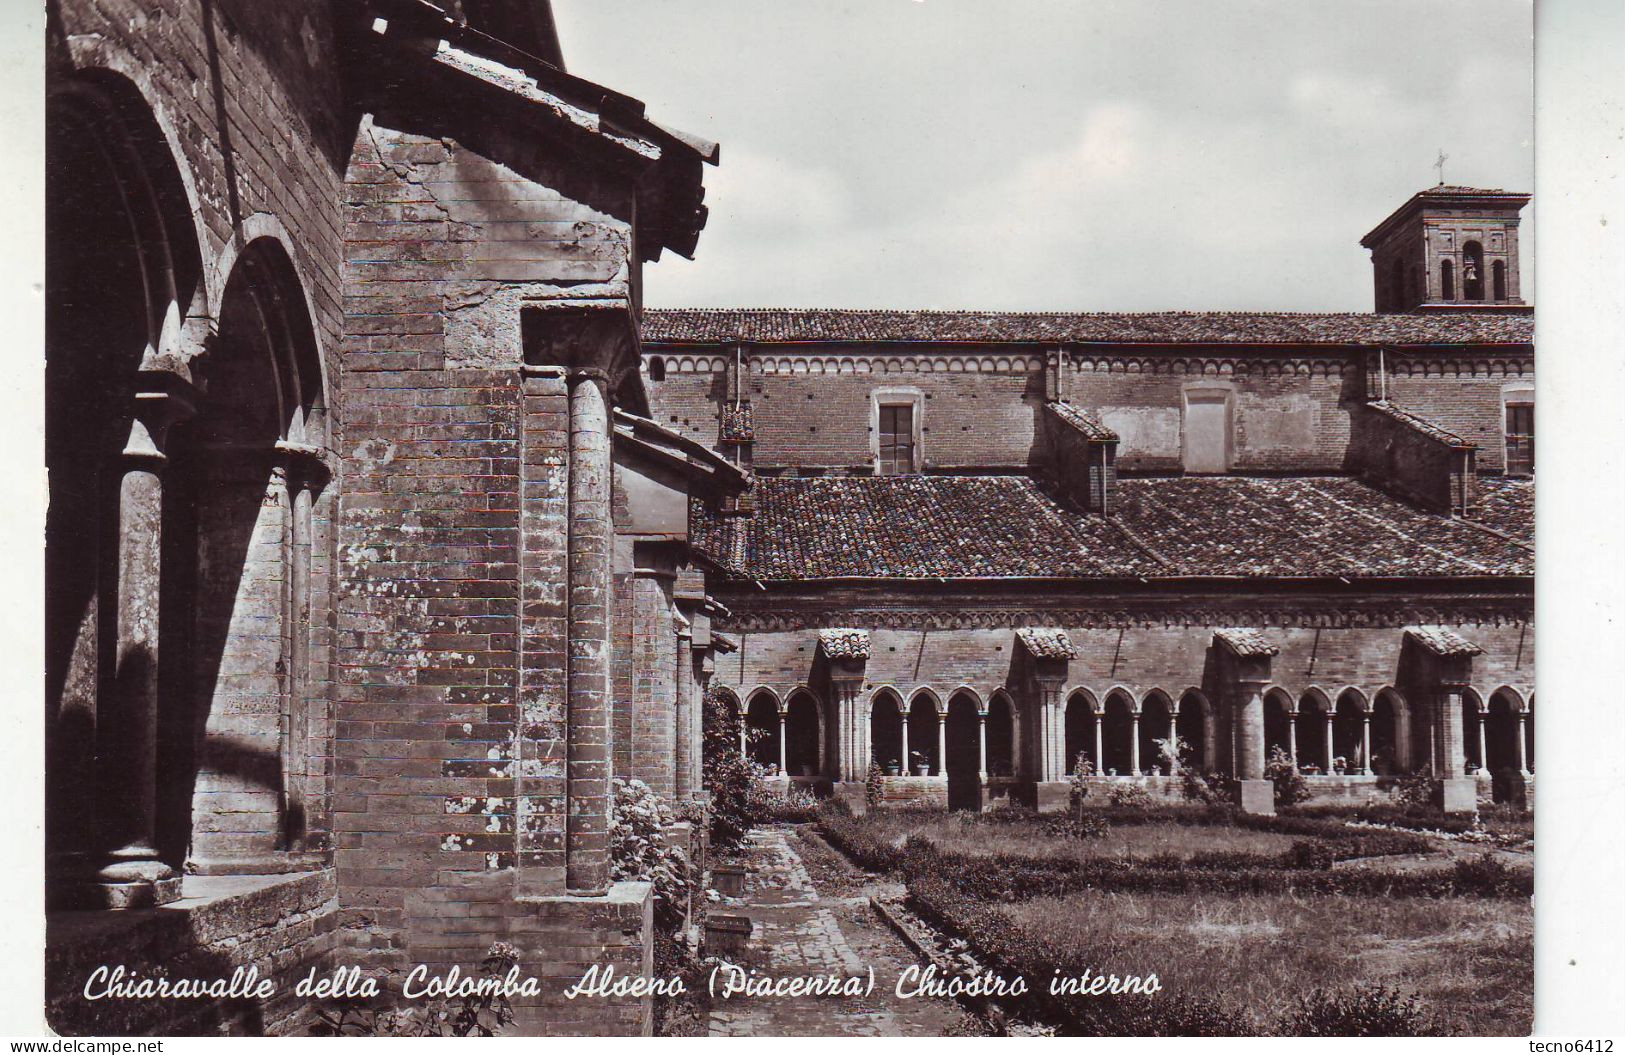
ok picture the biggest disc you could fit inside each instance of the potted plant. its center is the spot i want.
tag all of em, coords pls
(893, 768)
(919, 763)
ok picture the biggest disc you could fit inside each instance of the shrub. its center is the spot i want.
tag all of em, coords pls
(1373, 1011)
(728, 777)
(1130, 795)
(871, 785)
(1314, 854)
(763, 805)
(1486, 876)
(1081, 825)
(1290, 787)
(1415, 791)
(1208, 788)
(638, 850)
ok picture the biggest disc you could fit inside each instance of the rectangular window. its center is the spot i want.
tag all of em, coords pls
(1207, 432)
(896, 439)
(1520, 438)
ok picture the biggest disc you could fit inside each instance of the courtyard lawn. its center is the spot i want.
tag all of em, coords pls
(966, 833)
(1471, 961)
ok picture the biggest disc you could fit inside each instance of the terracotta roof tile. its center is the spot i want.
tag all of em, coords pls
(1246, 642)
(1084, 421)
(1442, 641)
(1507, 504)
(1046, 642)
(1419, 423)
(844, 643)
(770, 325)
(927, 527)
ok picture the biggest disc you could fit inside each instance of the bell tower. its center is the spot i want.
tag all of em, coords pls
(1449, 249)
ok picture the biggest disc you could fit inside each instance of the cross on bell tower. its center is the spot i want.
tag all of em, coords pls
(1439, 164)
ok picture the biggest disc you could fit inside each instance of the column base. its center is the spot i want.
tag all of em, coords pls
(1052, 796)
(1458, 795)
(1256, 796)
(854, 795)
(101, 895)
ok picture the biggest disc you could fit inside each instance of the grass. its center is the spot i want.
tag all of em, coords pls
(1471, 961)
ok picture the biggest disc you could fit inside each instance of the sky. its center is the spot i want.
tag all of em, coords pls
(1063, 155)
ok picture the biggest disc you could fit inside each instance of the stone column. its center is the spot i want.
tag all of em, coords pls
(1457, 793)
(1292, 737)
(1257, 794)
(784, 770)
(591, 540)
(306, 473)
(1365, 743)
(981, 745)
(1100, 742)
(683, 751)
(904, 768)
(1331, 747)
(1483, 744)
(942, 744)
(1134, 742)
(132, 876)
(852, 761)
(1523, 762)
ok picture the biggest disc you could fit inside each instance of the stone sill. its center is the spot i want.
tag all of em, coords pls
(210, 909)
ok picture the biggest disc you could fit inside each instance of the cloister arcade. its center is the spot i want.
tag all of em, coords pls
(186, 534)
(966, 740)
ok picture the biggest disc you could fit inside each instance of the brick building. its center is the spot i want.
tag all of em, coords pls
(981, 547)
(367, 567)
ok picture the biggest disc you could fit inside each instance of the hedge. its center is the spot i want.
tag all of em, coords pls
(1016, 877)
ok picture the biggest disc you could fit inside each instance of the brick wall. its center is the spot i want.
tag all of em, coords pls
(982, 408)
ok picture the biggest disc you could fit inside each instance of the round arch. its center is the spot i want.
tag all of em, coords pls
(1082, 731)
(1156, 728)
(888, 730)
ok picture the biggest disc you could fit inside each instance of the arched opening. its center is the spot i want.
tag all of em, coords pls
(1001, 737)
(1158, 753)
(657, 368)
(1472, 271)
(888, 733)
(964, 753)
(1472, 731)
(1447, 280)
(1498, 279)
(725, 730)
(1191, 726)
(1278, 724)
(1082, 733)
(1387, 720)
(925, 736)
(1314, 733)
(803, 736)
(122, 276)
(1348, 733)
(249, 472)
(762, 718)
(1117, 734)
(1502, 748)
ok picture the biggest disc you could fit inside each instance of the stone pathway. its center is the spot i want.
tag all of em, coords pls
(813, 927)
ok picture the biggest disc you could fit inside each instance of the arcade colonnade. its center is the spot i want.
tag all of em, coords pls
(187, 543)
(1041, 730)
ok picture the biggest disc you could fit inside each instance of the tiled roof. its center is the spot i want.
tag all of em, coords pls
(770, 325)
(1084, 421)
(913, 527)
(1442, 641)
(1507, 504)
(927, 527)
(1419, 423)
(1046, 642)
(1305, 526)
(844, 643)
(1246, 642)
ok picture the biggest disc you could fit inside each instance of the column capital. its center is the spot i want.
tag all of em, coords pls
(590, 338)
(159, 399)
(307, 465)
